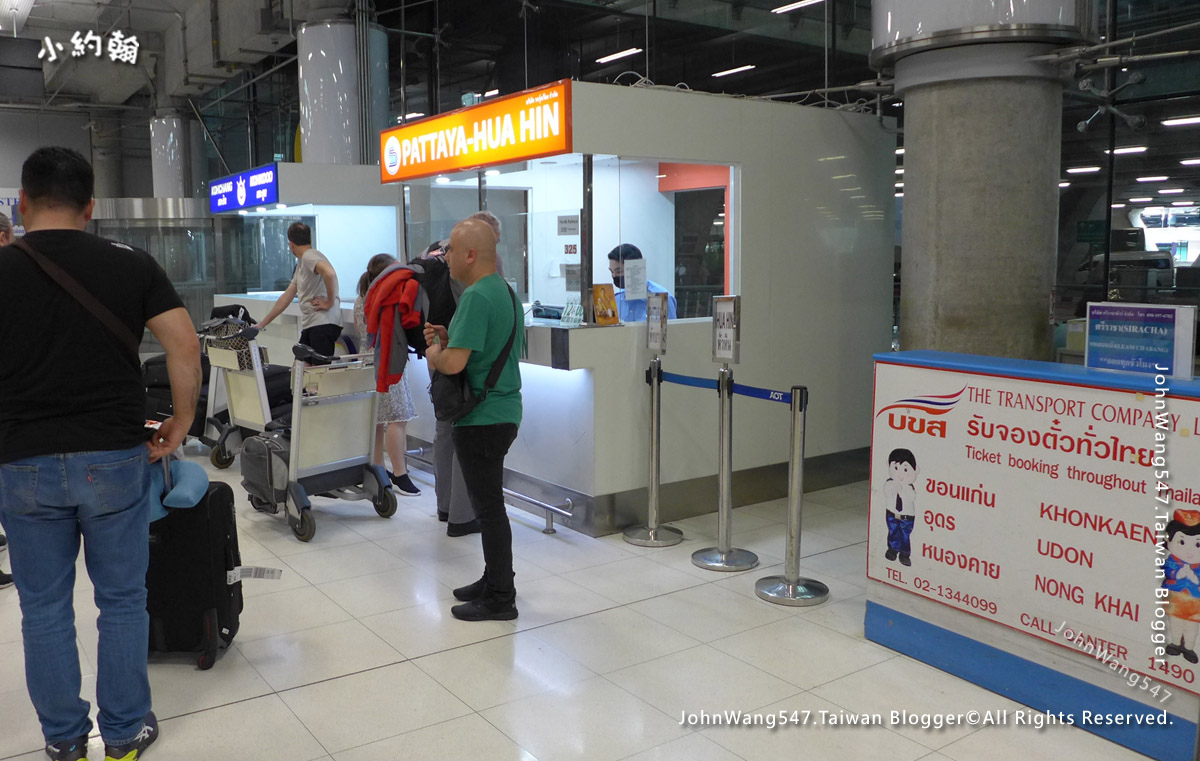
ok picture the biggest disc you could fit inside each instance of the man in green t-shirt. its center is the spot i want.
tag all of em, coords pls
(482, 324)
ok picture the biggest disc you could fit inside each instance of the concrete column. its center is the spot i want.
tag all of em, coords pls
(980, 226)
(168, 157)
(331, 110)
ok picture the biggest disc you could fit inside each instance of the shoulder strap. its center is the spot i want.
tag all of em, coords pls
(82, 295)
(494, 374)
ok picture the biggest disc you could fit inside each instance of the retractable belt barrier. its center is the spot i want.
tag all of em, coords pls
(786, 589)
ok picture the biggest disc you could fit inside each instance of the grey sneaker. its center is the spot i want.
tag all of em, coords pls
(68, 750)
(133, 751)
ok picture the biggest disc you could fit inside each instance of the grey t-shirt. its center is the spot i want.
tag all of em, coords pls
(310, 285)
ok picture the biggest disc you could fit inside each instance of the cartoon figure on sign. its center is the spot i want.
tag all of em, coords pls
(1182, 582)
(241, 192)
(900, 498)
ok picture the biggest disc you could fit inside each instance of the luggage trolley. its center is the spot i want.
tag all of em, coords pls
(236, 359)
(332, 444)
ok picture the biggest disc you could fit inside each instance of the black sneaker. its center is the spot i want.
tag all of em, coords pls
(3, 542)
(471, 591)
(68, 750)
(134, 750)
(487, 607)
(404, 485)
(5, 580)
(462, 529)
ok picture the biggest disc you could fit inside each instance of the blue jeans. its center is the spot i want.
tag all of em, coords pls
(46, 504)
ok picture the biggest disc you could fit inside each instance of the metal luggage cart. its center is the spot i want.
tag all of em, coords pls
(237, 386)
(332, 446)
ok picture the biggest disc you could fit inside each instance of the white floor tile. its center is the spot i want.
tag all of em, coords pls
(304, 657)
(701, 679)
(429, 628)
(249, 731)
(692, 747)
(502, 670)
(745, 583)
(420, 549)
(550, 599)
(273, 533)
(706, 525)
(849, 526)
(845, 616)
(634, 579)
(613, 639)
(407, 520)
(818, 742)
(802, 653)
(875, 689)
(1022, 742)
(470, 737)
(178, 687)
(593, 720)
(372, 705)
(380, 592)
(709, 612)
(270, 615)
(10, 616)
(344, 562)
(849, 563)
(569, 551)
(289, 579)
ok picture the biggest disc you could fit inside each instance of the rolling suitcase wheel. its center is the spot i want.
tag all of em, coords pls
(307, 527)
(221, 458)
(385, 503)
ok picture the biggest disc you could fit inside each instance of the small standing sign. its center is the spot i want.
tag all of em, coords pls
(727, 329)
(656, 323)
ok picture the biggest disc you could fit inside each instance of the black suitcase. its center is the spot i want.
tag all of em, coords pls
(193, 594)
(154, 371)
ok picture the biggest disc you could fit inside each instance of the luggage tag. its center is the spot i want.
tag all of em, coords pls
(252, 572)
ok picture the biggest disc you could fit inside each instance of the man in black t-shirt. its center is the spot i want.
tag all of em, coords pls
(74, 460)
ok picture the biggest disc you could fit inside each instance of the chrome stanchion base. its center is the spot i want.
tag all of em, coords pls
(644, 536)
(714, 560)
(778, 590)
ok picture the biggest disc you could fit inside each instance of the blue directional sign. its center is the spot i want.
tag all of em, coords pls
(254, 187)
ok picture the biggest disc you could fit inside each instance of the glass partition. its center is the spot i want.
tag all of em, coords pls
(674, 213)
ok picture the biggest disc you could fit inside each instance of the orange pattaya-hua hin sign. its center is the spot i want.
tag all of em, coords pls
(523, 126)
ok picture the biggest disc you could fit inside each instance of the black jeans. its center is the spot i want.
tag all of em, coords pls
(321, 338)
(481, 450)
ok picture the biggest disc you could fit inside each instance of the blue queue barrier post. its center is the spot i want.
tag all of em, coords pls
(790, 588)
(652, 534)
(725, 557)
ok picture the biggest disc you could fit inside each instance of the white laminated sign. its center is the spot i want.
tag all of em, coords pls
(1066, 512)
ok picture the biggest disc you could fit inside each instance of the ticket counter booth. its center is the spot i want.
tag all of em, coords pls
(791, 207)
(352, 217)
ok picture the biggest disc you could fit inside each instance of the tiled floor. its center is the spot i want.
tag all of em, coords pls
(353, 654)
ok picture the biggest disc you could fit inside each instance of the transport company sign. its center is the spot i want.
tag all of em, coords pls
(1067, 512)
(522, 126)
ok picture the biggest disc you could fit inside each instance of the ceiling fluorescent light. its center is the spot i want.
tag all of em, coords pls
(1083, 169)
(1182, 203)
(1128, 149)
(490, 93)
(899, 151)
(795, 6)
(735, 70)
(623, 54)
(1118, 206)
(900, 170)
(1190, 162)
(414, 115)
(899, 195)
(1064, 184)
(1169, 191)
(1142, 199)
(1181, 121)
(1155, 178)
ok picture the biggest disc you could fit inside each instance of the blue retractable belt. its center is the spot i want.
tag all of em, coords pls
(687, 380)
